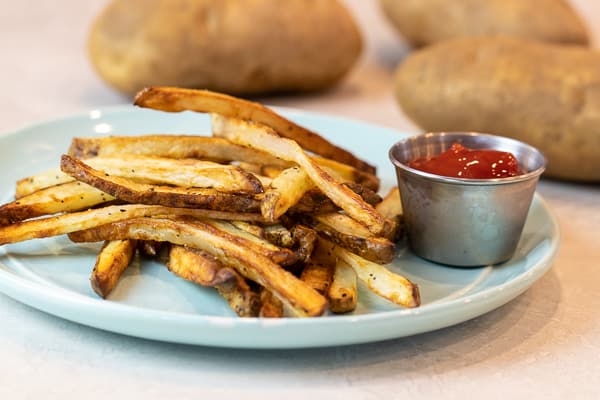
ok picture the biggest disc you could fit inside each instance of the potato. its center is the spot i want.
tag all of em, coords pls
(233, 46)
(547, 95)
(423, 22)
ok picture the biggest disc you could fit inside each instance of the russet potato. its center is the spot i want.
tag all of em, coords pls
(233, 46)
(423, 22)
(546, 95)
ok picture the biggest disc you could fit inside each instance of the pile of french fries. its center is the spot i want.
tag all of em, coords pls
(274, 217)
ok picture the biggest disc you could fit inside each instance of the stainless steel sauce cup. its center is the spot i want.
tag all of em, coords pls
(464, 222)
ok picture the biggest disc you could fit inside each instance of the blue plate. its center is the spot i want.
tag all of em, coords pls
(52, 274)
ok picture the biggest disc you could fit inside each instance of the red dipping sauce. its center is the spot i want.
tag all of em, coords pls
(461, 162)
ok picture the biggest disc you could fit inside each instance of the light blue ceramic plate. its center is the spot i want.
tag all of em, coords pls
(52, 275)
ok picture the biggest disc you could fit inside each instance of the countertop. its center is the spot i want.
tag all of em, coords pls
(544, 344)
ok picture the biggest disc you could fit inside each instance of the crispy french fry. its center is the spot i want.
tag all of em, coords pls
(179, 172)
(391, 208)
(204, 269)
(176, 99)
(66, 197)
(304, 300)
(263, 138)
(346, 232)
(114, 257)
(46, 179)
(284, 192)
(77, 221)
(381, 280)
(348, 173)
(318, 273)
(155, 170)
(133, 192)
(343, 293)
(391, 205)
(170, 146)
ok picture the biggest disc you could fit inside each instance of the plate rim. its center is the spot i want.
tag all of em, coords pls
(42, 292)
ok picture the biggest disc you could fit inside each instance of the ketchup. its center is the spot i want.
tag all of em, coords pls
(461, 162)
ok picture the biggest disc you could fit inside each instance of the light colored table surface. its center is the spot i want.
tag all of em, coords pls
(545, 344)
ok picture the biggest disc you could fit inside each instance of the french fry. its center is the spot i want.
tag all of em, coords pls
(172, 99)
(391, 205)
(155, 170)
(284, 192)
(342, 292)
(78, 221)
(170, 146)
(318, 276)
(203, 269)
(133, 192)
(304, 300)
(263, 138)
(391, 208)
(381, 280)
(46, 179)
(348, 173)
(346, 232)
(66, 197)
(114, 257)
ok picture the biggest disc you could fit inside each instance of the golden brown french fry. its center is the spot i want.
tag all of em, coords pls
(284, 192)
(343, 292)
(170, 146)
(263, 138)
(318, 276)
(346, 232)
(348, 173)
(391, 205)
(133, 192)
(391, 208)
(179, 172)
(46, 179)
(381, 280)
(173, 99)
(114, 257)
(270, 305)
(155, 170)
(66, 197)
(204, 269)
(304, 300)
(77, 221)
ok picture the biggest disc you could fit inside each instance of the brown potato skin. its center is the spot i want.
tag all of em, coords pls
(424, 22)
(232, 46)
(544, 94)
